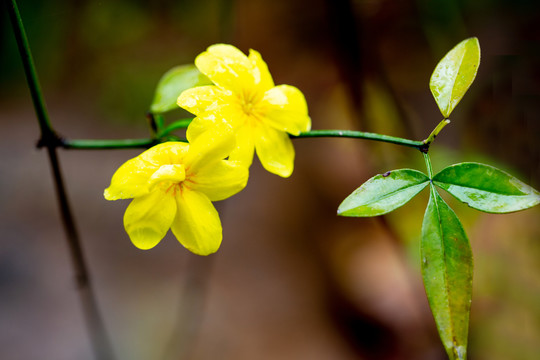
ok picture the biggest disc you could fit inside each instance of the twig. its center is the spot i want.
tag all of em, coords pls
(49, 139)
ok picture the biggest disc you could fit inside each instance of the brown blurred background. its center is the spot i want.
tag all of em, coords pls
(292, 280)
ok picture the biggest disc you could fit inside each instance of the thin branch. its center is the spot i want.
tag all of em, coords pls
(179, 124)
(96, 328)
(361, 135)
(49, 139)
(428, 165)
(88, 144)
(30, 70)
(435, 132)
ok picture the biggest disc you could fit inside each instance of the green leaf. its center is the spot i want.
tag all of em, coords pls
(171, 85)
(447, 268)
(383, 193)
(486, 188)
(454, 74)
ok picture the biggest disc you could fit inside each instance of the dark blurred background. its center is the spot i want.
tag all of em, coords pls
(292, 280)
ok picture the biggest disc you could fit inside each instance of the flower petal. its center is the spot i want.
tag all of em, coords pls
(220, 181)
(198, 126)
(245, 146)
(131, 179)
(149, 217)
(197, 225)
(208, 148)
(285, 109)
(260, 72)
(202, 99)
(275, 150)
(227, 67)
(171, 152)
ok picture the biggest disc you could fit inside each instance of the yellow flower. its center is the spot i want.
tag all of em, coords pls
(244, 96)
(173, 185)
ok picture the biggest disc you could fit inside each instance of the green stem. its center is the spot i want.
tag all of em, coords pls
(47, 131)
(180, 124)
(428, 165)
(50, 140)
(155, 121)
(361, 135)
(87, 144)
(94, 144)
(94, 321)
(436, 132)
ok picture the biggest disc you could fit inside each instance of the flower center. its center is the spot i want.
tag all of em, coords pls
(247, 107)
(168, 174)
(249, 100)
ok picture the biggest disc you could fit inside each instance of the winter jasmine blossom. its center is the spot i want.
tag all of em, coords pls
(244, 97)
(173, 185)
